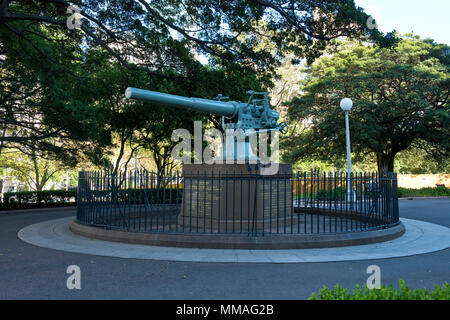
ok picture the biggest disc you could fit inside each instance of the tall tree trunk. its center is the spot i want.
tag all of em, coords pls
(385, 162)
(2, 143)
(37, 184)
(123, 140)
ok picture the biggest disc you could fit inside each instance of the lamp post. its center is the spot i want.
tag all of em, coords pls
(67, 180)
(346, 105)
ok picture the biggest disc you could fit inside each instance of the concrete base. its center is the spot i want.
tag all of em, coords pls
(235, 197)
(222, 241)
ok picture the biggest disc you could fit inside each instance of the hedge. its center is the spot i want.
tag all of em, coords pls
(155, 195)
(38, 199)
(58, 198)
(46, 196)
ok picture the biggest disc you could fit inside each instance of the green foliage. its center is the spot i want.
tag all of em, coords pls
(132, 124)
(142, 196)
(337, 194)
(38, 199)
(29, 168)
(424, 192)
(384, 293)
(44, 103)
(418, 161)
(143, 28)
(400, 100)
(50, 198)
(70, 83)
(45, 196)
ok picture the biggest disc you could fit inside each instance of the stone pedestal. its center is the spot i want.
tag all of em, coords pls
(236, 198)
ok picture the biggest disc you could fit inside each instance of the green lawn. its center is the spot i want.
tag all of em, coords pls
(424, 192)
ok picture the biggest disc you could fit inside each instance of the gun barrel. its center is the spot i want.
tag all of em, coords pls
(228, 109)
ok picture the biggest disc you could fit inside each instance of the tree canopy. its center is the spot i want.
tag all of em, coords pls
(45, 104)
(143, 28)
(62, 89)
(401, 99)
(133, 125)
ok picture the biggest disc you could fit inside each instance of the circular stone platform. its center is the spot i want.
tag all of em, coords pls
(238, 241)
(420, 237)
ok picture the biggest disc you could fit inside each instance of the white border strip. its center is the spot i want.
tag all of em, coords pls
(420, 237)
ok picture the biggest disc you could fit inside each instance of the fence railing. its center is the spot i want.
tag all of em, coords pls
(231, 203)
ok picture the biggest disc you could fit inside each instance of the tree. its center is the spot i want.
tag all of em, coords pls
(418, 161)
(133, 30)
(400, 99)
(134, 125)
(46, 79)
(230, 79)
(35, 171)
(46, 105)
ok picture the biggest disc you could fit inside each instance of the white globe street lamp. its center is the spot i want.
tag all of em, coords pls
(346, 105)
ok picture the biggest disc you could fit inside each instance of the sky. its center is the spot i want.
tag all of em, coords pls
(428, 19)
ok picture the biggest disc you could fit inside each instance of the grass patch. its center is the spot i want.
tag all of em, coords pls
(424, 192)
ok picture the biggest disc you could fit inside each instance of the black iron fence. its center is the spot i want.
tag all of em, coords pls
(235, 203)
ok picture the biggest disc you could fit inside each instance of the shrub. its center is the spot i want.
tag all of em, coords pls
(46, 196)
(38, 199)
(337, 194)
(384, 293)
(140, 196)
(55, 198)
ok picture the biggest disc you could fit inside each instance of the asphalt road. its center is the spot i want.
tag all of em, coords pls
(30, 272)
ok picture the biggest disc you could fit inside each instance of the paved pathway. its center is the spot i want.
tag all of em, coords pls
(420, 237)
(31, 272)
